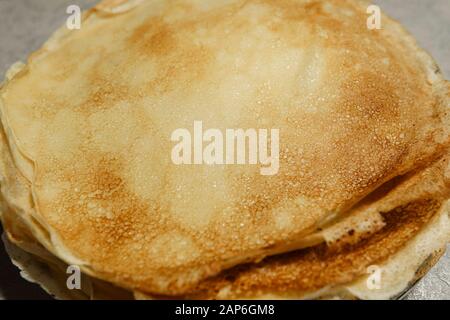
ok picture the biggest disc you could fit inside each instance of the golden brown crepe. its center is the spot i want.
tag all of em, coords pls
(86, 154)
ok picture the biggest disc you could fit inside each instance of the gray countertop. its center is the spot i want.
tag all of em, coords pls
(26, 24)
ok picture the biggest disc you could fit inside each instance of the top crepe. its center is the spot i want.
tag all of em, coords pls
(89, 121)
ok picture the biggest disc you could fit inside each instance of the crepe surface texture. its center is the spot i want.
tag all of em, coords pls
(363, 179)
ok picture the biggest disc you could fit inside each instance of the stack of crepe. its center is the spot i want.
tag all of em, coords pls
(363, 184)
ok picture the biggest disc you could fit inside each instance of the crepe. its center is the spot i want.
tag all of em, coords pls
(420, 229)
(88, 123)
(399, 273)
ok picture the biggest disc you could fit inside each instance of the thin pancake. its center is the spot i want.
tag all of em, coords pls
(409, 203)
(89, 121)
(416, 204)
(401, 270)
